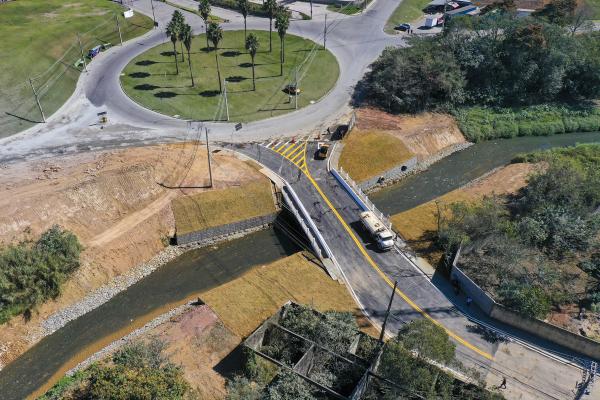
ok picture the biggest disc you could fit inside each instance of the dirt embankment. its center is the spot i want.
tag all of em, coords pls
(116, 202)
(425, 134)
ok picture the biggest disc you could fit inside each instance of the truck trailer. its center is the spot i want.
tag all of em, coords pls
(382, 235)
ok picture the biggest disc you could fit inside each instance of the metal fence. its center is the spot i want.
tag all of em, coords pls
(385, 219)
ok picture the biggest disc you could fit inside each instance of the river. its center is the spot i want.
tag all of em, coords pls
(462, 167)
(176, 281)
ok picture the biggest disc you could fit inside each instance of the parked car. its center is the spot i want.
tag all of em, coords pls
(403, 27)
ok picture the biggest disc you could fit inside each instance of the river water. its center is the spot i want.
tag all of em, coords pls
(462, 167)
(180, 279)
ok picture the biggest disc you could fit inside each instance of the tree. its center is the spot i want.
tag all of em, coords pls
(204, 9)
(173, 33)
(244, 6)
(428, 339)
(252, 45)
(560, 12)
(179, 22)
(282, 22)
(187, 35)
(215, 35)
(270, 6)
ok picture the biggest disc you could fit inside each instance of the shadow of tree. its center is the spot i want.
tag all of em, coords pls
(165, 95)
(139, 74)
(209, 93)
(246, 65)
(236, 78)
(145, 63)
(147, 86)
(230, 53)
(167, 54)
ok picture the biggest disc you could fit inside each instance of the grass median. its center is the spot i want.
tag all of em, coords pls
(40, 42)
(407, 11)
(370, 153)
(224, 206)
(151, 79)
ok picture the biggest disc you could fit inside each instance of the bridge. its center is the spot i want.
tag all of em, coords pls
(330, 217)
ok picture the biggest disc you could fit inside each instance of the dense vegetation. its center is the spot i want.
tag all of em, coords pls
(32, 272)
(481, 123)
(137, 371)
(495, 61)
(336, 331)
(414, 377)
(539, 248)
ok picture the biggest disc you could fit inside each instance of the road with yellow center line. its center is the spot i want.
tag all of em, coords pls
(296, 154)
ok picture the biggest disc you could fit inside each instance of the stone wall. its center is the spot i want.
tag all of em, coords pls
(391, 175)
(223, 231)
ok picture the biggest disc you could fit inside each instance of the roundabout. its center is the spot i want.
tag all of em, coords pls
(151, 78)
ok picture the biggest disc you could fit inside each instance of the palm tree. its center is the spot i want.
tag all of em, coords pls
(252, 46)
(215, 33)
(180, 22)
(282, 23)
(270, 6)
(187, 35)
(172, 32)
(244, 6)
(204, 9)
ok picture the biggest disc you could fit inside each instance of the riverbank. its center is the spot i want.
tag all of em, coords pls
(118, 205)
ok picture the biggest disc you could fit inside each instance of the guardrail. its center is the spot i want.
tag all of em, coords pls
(359, 197)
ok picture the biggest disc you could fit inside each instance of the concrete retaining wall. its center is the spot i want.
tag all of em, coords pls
(544, 330)
(390, 175)
(222, 231)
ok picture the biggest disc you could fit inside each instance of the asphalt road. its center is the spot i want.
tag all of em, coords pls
(355, 41)
(336, 215)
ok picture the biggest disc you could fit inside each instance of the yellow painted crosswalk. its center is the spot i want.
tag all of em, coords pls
(292, 150)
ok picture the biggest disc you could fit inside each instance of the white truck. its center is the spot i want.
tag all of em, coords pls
(382, 235)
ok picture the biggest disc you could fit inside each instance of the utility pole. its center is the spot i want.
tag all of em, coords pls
(387, 313)
(153, 16)
(296, 87)
(37, 100)
(81, 50)
(364, 7)
(325, 33)
(119, 28)
(444, 20)
(208, 156)
(311, 9)
(226, 102)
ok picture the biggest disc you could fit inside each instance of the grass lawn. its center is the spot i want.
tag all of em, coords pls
(407, 11)
(218, 207)
(369, 153)
(247, 301)
(211, 18)
(40, 41)
(151, 79)
(349, 9)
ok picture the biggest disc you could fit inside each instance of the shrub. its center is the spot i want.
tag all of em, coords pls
(31, 273)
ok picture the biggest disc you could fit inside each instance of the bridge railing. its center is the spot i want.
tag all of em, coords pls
(367, 203)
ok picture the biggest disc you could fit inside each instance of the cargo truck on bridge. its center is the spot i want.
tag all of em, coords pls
(382, 235)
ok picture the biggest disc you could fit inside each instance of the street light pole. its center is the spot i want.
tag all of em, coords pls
(82, 56)
(208, 156)
(153, 16)
(37, 100)
(325, 33)
(387, 313)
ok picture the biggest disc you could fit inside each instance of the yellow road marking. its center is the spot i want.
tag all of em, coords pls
(374, 265)
(299, 155)
(280, 147)
(294, 153)
(294, 147)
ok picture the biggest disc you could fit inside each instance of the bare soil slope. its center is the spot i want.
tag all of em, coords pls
(425, 135)
(116, 202)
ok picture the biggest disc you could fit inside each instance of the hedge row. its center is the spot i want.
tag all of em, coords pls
(479, 124)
